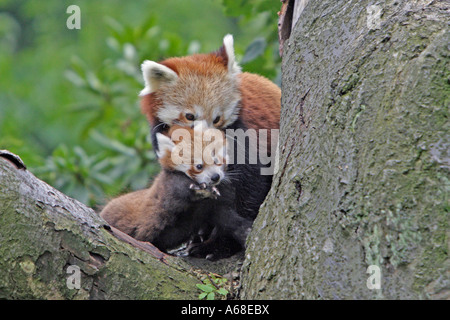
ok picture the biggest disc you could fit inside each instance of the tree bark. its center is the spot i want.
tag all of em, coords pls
(43, 233)
(364, 157)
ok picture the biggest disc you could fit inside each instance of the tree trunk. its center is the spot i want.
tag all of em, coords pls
(364, 158)
(48, 240)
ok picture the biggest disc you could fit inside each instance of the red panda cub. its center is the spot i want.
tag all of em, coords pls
(210, 88)
(190, 196)
(171, 210)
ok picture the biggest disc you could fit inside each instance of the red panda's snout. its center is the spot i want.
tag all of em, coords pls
(210, 175)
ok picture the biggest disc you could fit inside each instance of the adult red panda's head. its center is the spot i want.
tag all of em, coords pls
(198, 152)
(200, 87)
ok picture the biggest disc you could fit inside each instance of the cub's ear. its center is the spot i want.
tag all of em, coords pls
(154, 75)
(227, 54)
(164, 144)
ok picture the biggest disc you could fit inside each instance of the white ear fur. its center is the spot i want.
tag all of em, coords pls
(154, 75)
(228, 43)
(164, 143)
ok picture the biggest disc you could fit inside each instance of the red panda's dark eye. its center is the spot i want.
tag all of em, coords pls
(217, 119)
(199, 167)
(190, 116)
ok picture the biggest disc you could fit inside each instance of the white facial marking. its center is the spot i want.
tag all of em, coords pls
(168, 113)
(198, 112)
(231, 113)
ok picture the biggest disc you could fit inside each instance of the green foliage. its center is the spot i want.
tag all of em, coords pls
(249, 8)
(68, 98)
(258, 22)
(211, 286)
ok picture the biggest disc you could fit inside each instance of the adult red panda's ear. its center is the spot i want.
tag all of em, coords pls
(226, 52)
(156, 74)
(164, 144)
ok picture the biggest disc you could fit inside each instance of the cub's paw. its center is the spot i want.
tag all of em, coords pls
(200, 250)
(202, 191)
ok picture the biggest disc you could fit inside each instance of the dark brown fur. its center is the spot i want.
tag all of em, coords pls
(163, 214)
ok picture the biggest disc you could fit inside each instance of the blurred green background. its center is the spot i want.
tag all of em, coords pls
(68, 98)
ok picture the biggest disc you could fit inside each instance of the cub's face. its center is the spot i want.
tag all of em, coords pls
(198, 88)
(201, 154)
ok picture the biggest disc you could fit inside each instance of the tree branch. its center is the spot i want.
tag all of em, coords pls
(43, 232)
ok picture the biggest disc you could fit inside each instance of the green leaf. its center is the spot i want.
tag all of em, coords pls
(254, 50)
(202, 295)
(205, 288)
(75, 78)
(222, 291)
(94, 82)
(113, 144)
(238, 7)
(210, 296)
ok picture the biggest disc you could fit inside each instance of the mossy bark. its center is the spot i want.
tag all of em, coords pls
(43, 233)
(364, 157)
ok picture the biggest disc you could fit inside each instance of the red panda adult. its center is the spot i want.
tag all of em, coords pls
(184, 198)
(211, 88)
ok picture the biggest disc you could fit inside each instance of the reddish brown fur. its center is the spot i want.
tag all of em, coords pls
(149, 106)
(204, 64)
(138, 213)
(261, 101)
